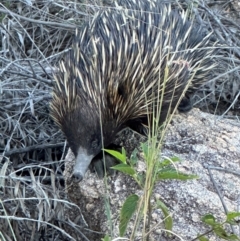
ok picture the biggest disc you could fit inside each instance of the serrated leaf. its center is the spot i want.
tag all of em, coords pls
(125, 168)
(128, 209)
(118, 155)
(168, 221)
(209, 219)
(171, 173)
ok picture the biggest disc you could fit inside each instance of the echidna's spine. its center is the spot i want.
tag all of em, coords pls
(125, 62)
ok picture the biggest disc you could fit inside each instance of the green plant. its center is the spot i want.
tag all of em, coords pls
(162, 170)
(219, 229)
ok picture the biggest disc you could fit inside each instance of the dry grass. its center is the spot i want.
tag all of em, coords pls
(33, 37)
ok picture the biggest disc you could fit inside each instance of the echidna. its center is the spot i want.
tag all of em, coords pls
(122, 63)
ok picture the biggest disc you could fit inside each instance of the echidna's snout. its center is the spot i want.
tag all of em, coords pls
(83, 161)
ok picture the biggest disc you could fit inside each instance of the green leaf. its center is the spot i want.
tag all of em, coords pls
(209, 219)
(220, 232)
(203, 238)
(231, 237)
(169, 162)
(141, 177)
(133, 160)
(118, 155)
(175, 159)
(145, 149)
(125, 168)
(231, 216)
(124, 152)
(171, 173)
(168, 221)
(128, 209)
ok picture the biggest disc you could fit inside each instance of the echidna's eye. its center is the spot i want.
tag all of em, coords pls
(120, 90)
